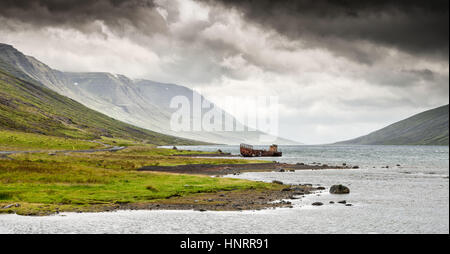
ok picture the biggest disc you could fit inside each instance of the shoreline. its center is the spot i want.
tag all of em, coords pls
(228, 169)
(234, 200)
(242, 200)
(255, 196)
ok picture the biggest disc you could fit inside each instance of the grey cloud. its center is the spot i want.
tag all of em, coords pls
(80, 14)
(424, 74)
(417, 26)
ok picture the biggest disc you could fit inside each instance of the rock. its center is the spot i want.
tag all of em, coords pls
(348, 205)
(331, 202)
(281, 170)
(292, 171)
(286, 189)
(344, 164)
(321, 188)
(342, 202)
(277, 182)
(317, 204)
(261, 198)
(219, 151)
(52, 154)
(325, 165)
(174, 148)
(339, 189)
(398, 165)
(202, 210)
(355, 167)
(301, 164)
(293, 197)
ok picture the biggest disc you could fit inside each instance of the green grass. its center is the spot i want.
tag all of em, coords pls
(10, 140)
(128, 159)
(43, 183)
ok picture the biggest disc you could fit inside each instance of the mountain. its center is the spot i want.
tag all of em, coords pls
(427, 128)
(28, 106)
(142, 103)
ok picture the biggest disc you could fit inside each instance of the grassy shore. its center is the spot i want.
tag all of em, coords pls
(43, 184)
(19, 141)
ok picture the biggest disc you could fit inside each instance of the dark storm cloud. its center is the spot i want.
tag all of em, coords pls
(79, 14)
(414, 26)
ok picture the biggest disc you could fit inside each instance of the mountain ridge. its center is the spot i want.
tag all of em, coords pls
(426, 128)
(29, 107)
(143, 103)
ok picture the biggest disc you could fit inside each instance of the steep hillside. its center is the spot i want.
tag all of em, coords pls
(31, 108)
(427, 128)
(141, 103)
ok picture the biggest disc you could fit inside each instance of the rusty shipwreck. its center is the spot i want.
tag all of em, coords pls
(248, 151)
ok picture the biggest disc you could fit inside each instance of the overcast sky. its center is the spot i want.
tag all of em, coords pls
(341, 69)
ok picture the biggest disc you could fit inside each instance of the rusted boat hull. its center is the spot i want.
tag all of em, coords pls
(248, 151)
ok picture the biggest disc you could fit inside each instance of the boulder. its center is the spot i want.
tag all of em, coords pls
(339, 189)
(277, 182)
(317, 204)
(342, 202)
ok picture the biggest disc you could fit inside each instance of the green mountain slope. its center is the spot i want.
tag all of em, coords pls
(427, 128)
(27, 106)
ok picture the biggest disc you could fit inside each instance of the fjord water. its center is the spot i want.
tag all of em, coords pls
(410, 198)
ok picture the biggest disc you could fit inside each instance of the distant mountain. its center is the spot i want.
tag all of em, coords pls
(143, 103)
(28, 106)
(427, 128)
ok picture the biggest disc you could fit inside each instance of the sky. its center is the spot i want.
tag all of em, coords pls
(340, 69)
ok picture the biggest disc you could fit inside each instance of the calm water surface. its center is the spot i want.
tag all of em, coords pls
(410, 198)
